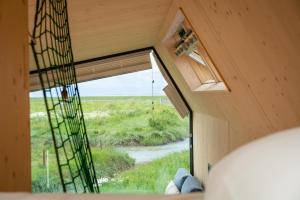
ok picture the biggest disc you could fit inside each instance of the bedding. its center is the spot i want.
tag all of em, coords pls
(191, 184)
(180, 177)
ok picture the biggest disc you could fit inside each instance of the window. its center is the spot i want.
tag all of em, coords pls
(191, 57)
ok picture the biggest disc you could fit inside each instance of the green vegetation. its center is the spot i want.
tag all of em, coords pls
(112, 122)
(109, 161)
(39, 172)
(151, 177)
(120, 121)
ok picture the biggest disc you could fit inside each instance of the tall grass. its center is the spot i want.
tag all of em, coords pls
(119, 121)
(108, 162)
(151, 177)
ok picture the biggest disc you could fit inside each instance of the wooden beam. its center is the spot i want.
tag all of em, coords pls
(15, 162)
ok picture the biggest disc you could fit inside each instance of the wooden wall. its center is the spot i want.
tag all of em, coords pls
(255, 45)
(15, 173)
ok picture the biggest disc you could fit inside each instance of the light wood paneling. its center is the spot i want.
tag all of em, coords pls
(101, 27)
(210, 142)
(59, 196)
(255, 46)
(15, 172)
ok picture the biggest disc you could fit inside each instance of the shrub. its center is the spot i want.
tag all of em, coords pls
(40, 185)
(109, 161)
(151, 177)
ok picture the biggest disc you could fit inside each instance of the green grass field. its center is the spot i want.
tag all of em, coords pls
(111, 122)
(149, 178)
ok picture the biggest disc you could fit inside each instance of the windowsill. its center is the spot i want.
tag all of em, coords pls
(220, 86)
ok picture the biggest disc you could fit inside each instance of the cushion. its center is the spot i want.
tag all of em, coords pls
(180, 177)
(171, 188)
(191, 184)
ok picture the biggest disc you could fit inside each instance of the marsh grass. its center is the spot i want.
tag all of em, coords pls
(152, 177)
(111, 122)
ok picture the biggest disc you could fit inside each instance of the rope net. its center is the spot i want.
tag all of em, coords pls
(51, 45)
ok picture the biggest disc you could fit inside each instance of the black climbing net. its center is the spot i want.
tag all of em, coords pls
(51, 45)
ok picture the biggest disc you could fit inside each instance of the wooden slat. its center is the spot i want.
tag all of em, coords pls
(101, 27)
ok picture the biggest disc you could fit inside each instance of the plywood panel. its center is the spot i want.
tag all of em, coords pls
(211, 142)
(101, 27)
(255, 46)
(200, 148)
(15, 172)
(242, 33)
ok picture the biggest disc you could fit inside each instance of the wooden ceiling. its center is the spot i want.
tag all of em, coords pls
(104, 27)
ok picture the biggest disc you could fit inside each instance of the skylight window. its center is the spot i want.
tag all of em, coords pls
(191, 57)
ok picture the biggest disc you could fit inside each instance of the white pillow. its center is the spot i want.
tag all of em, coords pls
(267, 169)
(171, 189)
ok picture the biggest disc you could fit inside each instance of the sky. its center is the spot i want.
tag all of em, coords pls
(133, 84)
